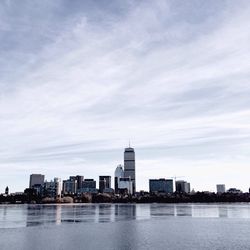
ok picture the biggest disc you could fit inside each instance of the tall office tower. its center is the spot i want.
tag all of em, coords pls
(119, 173)
(36, 179)
(129, 165)
(104, 182)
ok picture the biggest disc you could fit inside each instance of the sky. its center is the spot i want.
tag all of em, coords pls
(80, 79)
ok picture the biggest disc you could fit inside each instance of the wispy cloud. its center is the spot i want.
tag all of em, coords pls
(78, 81)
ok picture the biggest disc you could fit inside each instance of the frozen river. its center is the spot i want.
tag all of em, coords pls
(125, 226)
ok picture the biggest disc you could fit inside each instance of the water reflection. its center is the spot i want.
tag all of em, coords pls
(223, 211)
(37, 215)
(125, 212)
(104, 213)
(183, 210)
(162, 210)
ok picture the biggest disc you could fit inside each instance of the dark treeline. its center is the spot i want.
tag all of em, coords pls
(199, 197)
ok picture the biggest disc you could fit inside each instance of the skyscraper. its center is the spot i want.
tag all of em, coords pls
(119, 173)
(129, 165)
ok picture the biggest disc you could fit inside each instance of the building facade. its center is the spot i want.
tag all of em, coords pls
(125, 186)
(69, 186)
(36, 179)
(52, 188)
(88, 186)
(104, 183)
(161, 186)
(182, 186)
(129, 166)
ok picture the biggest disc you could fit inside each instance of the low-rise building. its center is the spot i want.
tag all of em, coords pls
(161, 185)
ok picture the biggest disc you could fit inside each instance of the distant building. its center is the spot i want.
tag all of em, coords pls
(69, 186)
(52, 188)
(221, 188)
(88, 186)
(129, 166)
(36, 179)
(125, 185)
(104, 182)
(73, 185)
(119, 173)
(182, 186)
(161, 186)
(79, 179)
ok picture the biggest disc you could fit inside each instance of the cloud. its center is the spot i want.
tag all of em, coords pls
(77, 82)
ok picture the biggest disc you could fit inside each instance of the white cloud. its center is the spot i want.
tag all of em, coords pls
(75, 92)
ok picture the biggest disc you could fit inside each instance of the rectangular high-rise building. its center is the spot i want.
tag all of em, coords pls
(129, 166)
(36, 180)
(104, 182)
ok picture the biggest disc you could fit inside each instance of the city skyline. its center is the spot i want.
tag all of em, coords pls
(79, 80)
(124, 180)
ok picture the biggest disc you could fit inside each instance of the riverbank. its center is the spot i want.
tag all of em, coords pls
(198, 197)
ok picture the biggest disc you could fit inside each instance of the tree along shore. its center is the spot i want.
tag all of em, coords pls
(198, 197)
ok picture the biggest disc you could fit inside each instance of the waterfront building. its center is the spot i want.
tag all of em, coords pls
(161, 185)
(182, 186)
(69, 186)
(221, 188)
(79, 179)
(88, 186)
(129, 166)
(52, 188)
(36, 179)
(119, 173)
(104, 182)
(125, 186)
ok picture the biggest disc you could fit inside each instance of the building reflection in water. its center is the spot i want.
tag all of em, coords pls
(183, 210)
(34, 215)
(158, 210)
(78, 213)
(125, 212)
(104, 213)
(223, 211)
(125, 231)
(58, 215)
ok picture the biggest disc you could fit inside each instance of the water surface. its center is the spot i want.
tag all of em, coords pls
(125, 226)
